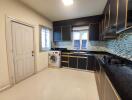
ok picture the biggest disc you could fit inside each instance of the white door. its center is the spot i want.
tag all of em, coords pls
(23, 48)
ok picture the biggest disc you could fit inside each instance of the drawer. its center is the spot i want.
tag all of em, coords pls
(64, 58)
(64, 64)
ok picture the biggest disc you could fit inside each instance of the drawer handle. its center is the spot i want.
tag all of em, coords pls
(73, 56)
(64, 55)
(83, 57)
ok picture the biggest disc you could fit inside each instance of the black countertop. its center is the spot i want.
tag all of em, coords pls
(88, 52)
(121, 77)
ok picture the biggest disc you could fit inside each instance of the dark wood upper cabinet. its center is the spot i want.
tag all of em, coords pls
(94, 32)
(62, 29)
(113, 12)
(62, 33)
(66, 33)
(129, 13)
(121, 23)
(107, 15)
(57, 34)
(117, 16)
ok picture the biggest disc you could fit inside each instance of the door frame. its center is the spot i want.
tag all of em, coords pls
(9, 47)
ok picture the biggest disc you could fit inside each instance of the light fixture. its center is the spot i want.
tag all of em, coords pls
(68, 2)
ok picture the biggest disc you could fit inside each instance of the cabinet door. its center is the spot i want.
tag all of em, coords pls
(64, 58)
(64, 64)
(82, 63)
(102, 83)
(109, 93)
(94, 32)
(121, 15)
(107, 15)
(64, 61)
(129, 14)
(73, 62)
(66, 33)
(57, 35)
(113, 12)
(98, 74)
(91, 63)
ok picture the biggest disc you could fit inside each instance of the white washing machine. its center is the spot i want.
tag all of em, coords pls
(55, 59)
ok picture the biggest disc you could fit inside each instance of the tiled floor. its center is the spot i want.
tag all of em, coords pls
(55, 84)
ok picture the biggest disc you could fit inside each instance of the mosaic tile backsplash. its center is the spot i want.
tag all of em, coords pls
(122, 46)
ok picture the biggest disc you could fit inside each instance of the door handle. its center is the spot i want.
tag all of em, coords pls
(32, 53)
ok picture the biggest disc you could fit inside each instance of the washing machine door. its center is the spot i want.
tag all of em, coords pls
(53, 59)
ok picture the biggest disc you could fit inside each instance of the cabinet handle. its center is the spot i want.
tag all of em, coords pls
(82, 57)
(64, 55)
(73, 56)
(64, 61)
(77, 57)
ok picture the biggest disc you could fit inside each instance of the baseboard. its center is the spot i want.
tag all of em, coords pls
(79, 69)
(42, 70)
(5, 87)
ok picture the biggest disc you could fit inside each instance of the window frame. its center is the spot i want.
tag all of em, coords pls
(80, 40)
(40, 38)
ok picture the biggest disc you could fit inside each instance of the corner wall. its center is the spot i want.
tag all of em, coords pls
(19, 11)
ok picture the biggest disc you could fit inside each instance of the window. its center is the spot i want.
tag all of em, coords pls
(80, 37)
(45, 43)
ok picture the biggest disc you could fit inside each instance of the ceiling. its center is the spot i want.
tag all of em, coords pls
(55, 10)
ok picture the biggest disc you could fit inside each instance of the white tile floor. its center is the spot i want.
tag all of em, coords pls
(55, 84)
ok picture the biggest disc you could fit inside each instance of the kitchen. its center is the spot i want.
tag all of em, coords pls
(86, 45)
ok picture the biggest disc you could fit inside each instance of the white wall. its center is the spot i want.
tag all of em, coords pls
(21, 12)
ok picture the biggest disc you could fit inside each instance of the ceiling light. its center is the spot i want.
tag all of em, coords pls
(68, 2)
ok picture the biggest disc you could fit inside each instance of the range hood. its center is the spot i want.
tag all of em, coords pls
(109, 33)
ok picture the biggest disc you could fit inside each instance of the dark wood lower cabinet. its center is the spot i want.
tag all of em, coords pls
(91, 65)
(104, 85)
(82, 63)
(64, 61)
(73, 62)
(64, 58)
(64, 64)
(109, 91)
(86, 62)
